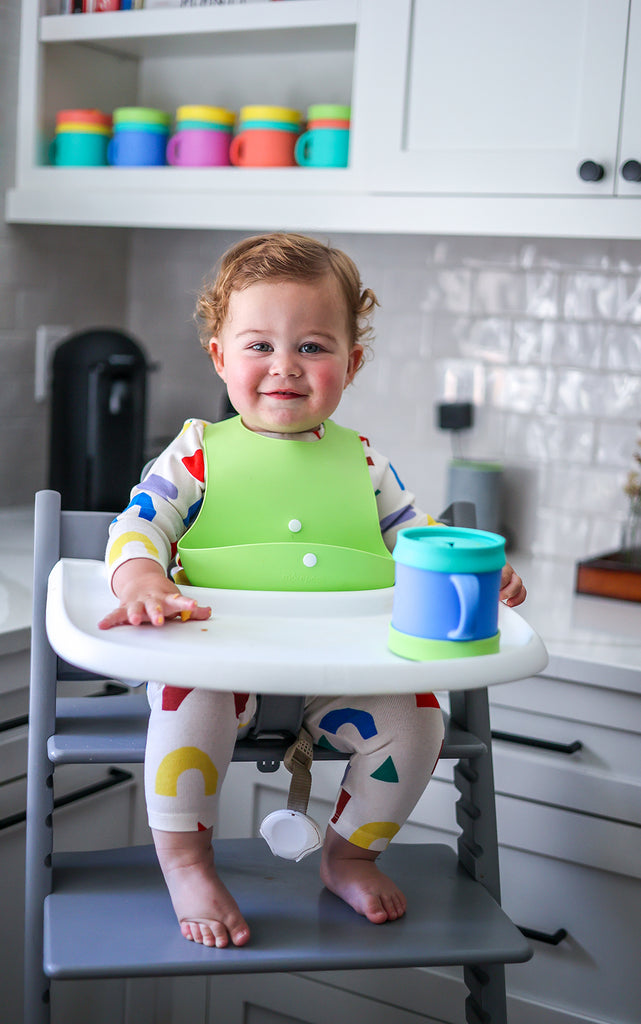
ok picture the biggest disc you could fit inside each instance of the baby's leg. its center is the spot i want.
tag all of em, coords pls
(396, 741)
(190, 742)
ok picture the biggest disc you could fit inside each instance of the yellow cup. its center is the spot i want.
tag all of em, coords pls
(266, 113)
(200, 112)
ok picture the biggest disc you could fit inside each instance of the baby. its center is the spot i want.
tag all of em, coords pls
(285, 322)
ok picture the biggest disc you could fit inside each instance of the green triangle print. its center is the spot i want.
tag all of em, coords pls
(386, 772)
(324, 742)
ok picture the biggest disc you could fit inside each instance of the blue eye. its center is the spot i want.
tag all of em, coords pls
(261, 346)
(310, 348)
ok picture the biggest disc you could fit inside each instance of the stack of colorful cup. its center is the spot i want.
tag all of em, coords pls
(266, 137)
(81, 138)
(140, 137)
(326, 141)
(202, 137)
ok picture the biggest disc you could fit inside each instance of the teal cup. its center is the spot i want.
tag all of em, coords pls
(79, 149)
(323, 147)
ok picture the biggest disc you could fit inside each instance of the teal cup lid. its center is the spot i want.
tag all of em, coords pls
(450, 549)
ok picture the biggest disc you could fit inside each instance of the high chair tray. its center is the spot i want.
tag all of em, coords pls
(119, 898)
(276, 642)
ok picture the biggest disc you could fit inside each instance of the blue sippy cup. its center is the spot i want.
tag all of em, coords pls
(446, 593)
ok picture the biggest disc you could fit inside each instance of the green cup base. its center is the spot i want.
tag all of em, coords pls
(417, 648)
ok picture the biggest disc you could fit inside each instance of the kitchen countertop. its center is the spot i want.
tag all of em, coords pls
(589, 639)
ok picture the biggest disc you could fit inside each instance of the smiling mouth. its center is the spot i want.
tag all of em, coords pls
(284, 394)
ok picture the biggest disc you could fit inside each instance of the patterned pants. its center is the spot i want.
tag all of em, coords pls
(394, 742)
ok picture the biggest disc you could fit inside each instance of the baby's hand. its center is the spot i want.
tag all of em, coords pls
(147, 595)
(512, 591)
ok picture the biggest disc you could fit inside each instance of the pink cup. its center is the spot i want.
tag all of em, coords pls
(263, 147)
(199, 147)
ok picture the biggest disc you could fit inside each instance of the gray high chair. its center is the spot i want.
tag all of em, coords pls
(80, 906)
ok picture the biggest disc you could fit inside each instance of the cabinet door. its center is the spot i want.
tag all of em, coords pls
(630, 148)
(498, 97)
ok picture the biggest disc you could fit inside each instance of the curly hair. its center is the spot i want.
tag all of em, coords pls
(282, 256)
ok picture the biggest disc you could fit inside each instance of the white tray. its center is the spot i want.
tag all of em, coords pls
(269, 642)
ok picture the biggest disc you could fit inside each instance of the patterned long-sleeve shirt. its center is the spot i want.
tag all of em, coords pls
(166, 502)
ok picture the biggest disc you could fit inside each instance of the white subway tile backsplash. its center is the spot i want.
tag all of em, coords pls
(559, 344)
(498, 291)
(615, 443)
(622, 348)
(628, 299)
(447, 290)
(460, 380)
(542, 294)
(549, 439)
(562, 534)
(525, 389)
(582, 489)
(590, 296)
(488, 339)
(579, 393)
(605, 535)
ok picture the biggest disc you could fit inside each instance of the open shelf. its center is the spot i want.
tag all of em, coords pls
(291, 25)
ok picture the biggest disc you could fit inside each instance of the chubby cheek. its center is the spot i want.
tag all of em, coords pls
(329, 381)
(242, 382)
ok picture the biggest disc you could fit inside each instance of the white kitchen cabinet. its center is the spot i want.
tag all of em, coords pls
(466, 118)
(497, 98)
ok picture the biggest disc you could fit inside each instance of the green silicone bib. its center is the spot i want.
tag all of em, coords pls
(286, 515)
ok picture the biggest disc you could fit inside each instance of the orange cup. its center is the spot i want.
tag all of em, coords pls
(263, 147)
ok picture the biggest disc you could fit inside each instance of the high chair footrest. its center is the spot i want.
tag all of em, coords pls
(99, 729)
(119, 897)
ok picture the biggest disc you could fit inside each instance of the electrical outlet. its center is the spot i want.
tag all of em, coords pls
(48, 336)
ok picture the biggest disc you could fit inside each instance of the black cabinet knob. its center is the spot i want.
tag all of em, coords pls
(631, 170)
(591, 171)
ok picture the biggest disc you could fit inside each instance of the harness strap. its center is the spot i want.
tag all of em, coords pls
(298, 761)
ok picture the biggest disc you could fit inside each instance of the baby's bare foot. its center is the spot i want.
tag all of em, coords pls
(351, 873)
(206, 910)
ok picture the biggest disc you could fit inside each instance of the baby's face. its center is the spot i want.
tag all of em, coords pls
(284, 352)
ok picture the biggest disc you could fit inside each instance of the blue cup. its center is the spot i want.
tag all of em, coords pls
(137, 146)
(323, 147)
(446, 593)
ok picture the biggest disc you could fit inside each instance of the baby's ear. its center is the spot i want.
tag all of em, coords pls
(355, 362)
(216, 353)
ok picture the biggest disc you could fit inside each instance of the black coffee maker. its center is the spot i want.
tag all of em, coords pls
(98, 400)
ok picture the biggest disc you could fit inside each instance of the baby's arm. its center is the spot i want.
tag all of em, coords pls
(146, 594)
(397, 510)
(512, 591)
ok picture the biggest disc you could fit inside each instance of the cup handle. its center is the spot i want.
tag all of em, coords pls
(468, 590)
(235, 151)
(52, 151)
(301, 154)
(112, 155)
(172, 150)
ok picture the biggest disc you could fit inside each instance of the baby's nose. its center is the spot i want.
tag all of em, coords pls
(285, 365)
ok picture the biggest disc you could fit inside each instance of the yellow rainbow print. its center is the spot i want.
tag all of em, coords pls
(376, 835)
(128, 538)
(181, 760)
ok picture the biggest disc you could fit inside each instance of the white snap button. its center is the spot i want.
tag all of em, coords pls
(295, 525)
(309, 560)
